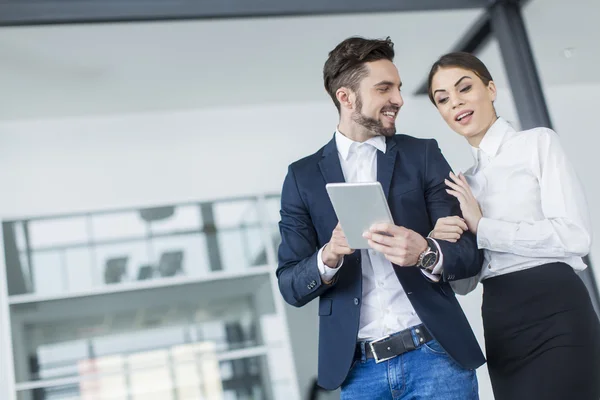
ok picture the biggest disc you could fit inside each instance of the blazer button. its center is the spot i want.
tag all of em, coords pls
(356, 301)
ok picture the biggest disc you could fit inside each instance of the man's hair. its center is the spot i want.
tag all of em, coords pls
(345, 66)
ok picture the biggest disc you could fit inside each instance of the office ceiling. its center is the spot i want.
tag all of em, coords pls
(75, 70)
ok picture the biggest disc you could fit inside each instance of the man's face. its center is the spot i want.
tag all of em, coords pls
(378, 99)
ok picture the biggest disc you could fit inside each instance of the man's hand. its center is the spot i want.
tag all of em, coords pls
(399, 245)
(336, 248)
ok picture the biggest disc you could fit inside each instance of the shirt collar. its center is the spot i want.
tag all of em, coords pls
(493, 139)
(345, 146)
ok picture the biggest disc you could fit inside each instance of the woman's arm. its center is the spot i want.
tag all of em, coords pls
(565, 231)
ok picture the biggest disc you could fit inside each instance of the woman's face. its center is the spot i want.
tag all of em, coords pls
(465, 102)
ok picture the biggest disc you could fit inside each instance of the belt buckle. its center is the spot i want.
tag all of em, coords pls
(377, 359)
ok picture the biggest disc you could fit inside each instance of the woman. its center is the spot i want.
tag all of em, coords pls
(524, 202)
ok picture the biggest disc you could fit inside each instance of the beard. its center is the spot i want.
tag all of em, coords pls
(373, 125)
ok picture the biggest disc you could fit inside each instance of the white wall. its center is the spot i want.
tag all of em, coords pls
(96, 163)
(57, 166)
(54, 166)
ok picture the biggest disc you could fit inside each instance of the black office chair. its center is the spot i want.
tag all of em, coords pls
(171, 263)
(145, 272)
(115, 270)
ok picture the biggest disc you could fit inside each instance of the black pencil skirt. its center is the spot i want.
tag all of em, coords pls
(542, 335)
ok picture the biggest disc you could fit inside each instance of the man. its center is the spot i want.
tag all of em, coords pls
(380, 309)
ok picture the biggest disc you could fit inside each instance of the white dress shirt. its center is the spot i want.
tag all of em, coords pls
(385, 308)
(533, 206)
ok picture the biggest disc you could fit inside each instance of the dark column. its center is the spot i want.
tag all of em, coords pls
(509, 28)
(212, 240)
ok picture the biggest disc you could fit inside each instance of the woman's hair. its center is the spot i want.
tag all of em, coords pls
(459, 60)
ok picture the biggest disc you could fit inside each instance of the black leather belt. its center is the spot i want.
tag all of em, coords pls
(393, 345)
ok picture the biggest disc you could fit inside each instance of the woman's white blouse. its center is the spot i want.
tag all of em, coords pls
(533, 206)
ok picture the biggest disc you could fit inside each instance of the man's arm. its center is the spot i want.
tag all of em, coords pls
(298, 272)
(461, 259)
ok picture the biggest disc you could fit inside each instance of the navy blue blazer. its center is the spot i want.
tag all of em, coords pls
(412, 173)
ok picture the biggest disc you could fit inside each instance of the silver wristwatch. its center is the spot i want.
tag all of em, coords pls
(429, 258)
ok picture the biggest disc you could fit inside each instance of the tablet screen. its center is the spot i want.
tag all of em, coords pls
(358, 206)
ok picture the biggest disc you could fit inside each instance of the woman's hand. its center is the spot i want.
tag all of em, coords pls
(468, 203)
(449, 229)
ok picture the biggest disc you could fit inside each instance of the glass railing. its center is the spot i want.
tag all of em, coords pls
(56, 338)
(79, 253)
(178, 374)
(201, 324)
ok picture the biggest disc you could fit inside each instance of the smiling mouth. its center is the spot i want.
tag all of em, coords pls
(464, 115)
(390, 114)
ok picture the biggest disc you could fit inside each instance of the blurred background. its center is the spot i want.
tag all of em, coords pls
(143, 146)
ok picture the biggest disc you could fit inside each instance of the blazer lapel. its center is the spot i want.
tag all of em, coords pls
(332, 172)
(330, 164)
(385, 165)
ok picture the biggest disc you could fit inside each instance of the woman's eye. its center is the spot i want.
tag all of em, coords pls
(442, 100)
(466, 89)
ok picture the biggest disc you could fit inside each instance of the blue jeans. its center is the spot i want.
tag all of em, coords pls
(426, 373)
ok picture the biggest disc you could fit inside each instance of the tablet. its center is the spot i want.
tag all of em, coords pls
(358, 206)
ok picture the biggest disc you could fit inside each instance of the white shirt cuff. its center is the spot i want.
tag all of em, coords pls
(327, 273)
(489, 230)
(435, 278)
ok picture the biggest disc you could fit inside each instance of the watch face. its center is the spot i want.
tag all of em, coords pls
(429, 260)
